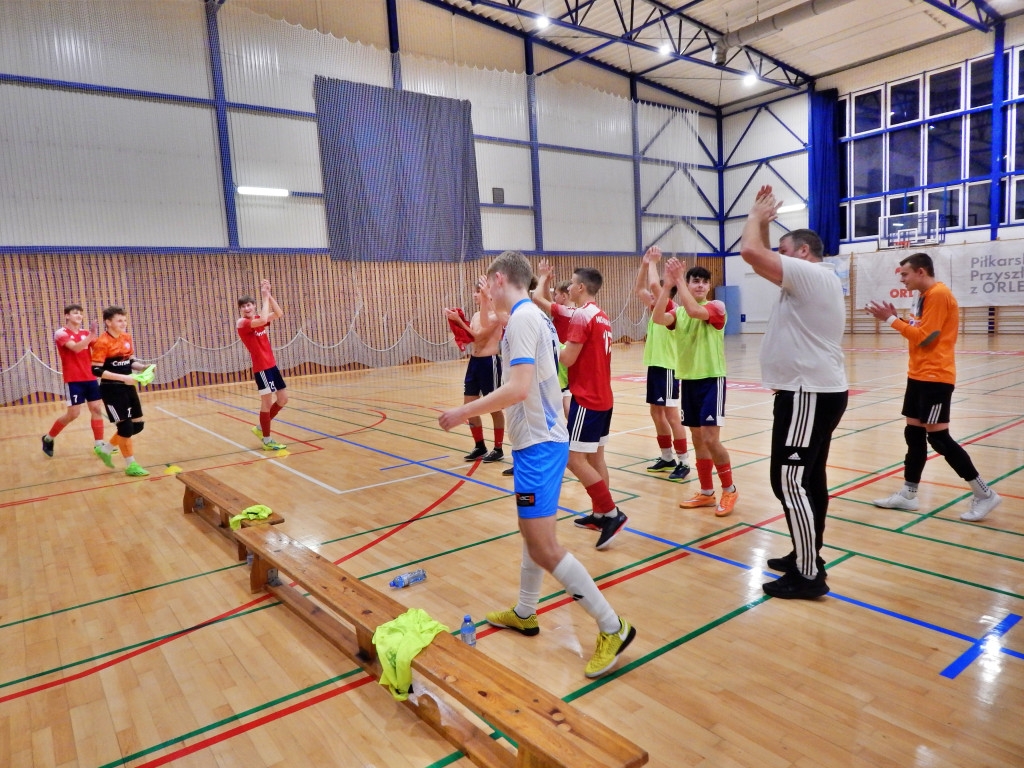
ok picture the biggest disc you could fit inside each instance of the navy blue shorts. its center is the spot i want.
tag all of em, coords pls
(79, 392)
(588, 429)
(269, 381)
(703, 402)
(928, 401)
(483, 376)
(538, 478)
(662, 387)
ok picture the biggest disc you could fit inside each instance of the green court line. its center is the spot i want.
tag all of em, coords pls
(955, 501)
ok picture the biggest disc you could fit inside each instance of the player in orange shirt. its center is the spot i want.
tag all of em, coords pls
(931, 333)
(113, 361)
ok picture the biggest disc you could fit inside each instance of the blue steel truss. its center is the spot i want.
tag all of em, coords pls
(975, 13)
(688, 37)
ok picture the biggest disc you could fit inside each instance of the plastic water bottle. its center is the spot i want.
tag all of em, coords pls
(408, 578)
(467, 632)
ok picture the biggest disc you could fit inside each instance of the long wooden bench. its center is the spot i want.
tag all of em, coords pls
(217, 503)
(549, 732)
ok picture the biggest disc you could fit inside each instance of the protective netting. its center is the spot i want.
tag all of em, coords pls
(112, 163)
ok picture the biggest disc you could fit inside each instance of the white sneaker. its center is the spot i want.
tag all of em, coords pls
(897, 501)
(981, 507)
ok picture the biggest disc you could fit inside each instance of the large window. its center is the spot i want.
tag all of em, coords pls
(980, 144)
(867, 166)
(905, 102)
(944, 92)
(905, 158)
(867, 111)
(945, 145)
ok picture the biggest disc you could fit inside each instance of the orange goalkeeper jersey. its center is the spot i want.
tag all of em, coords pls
(937, 310)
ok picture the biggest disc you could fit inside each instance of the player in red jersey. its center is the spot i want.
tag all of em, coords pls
(588, 357)
(560, 308)
(253, 330)
(73, 342)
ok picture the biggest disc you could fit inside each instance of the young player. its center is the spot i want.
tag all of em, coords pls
(698, 327)
(529, 392)
(483, 372)
(662, 384)
(120, 375)
(588, 357)
(931, 334)
(253, 331)
(73, 343)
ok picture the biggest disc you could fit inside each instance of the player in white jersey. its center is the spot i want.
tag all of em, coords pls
(531, 397)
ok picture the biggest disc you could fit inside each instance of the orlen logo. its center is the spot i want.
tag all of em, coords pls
(900, 293)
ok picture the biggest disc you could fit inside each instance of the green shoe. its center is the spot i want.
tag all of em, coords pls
(609, 646)
(258, 432)
(105, 456)
(511, 620)
(135, 470)
(273, 445)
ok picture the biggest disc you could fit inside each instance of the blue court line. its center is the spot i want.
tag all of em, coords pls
(407, 463)
(651, 536)
(978, 646)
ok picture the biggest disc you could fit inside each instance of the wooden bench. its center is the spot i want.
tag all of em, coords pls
(216, 503)
(549, 732)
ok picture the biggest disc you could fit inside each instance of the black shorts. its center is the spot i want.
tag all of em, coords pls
(483, 376)
(121, 401)
(269, 380)
(928, 401)
(662, 387)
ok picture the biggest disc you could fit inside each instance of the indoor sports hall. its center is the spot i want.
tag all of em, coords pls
(362, 162)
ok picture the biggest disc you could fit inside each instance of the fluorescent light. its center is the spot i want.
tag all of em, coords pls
(542, 22)
(263, 191)
(665, 49)
(792, 208)
(750, 80)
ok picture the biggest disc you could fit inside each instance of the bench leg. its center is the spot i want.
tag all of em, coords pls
(188, 501)
(259, 574)
(243, 553)
(364, 639)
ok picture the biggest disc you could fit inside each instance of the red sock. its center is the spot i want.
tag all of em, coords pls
(499, 438)
(265, 418)
(704, 474)
(600, 497)
(97, 429)
(56, 429)
(725, 474)
(477, 433)
(680, 447)
(275, 409)
(664, 441)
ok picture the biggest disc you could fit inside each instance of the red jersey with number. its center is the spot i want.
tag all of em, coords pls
(74, 366)
(560, 317)
(257, 341)
(590, 377)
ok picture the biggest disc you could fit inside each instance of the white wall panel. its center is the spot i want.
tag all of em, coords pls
(794, 170)
(707, 181)
(271, 63)
(757, 296)
(672, 237)
(587, 202)
(498, 98)
(281, 222)
(507, 167)
(270, 151)
(795, 113)
(708, 130)
(765, 137)
(122, 43)
(710, 230)
(575, 116)
(506, 230)
(84, 169)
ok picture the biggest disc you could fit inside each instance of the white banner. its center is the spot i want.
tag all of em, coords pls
(979, 274)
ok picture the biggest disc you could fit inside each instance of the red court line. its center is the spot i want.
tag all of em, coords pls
(156, 644)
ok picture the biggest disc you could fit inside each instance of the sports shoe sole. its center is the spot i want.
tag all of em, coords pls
(528, 631)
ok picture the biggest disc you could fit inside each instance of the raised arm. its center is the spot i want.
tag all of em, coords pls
(542, 295)
(683, 295)
(754, 246)
(659, 312)
(646, 285)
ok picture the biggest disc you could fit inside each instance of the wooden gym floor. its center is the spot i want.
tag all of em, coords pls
(128, 635)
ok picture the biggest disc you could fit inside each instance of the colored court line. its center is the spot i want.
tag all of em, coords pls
(979, 646)
(407, 463)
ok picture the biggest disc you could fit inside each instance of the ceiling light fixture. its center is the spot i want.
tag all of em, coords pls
(792, 208)
(542, 22)
(750, 80)
(665, 49)
(263, 191)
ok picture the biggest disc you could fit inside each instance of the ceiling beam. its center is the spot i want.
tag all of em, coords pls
(975, 13)
(466, 13)
(766, 68)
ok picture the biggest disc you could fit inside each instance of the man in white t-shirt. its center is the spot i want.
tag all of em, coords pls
(532, 400)
(802, 360)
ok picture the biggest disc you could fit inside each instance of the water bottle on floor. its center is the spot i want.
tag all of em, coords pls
(408, 578)
(467, 632)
